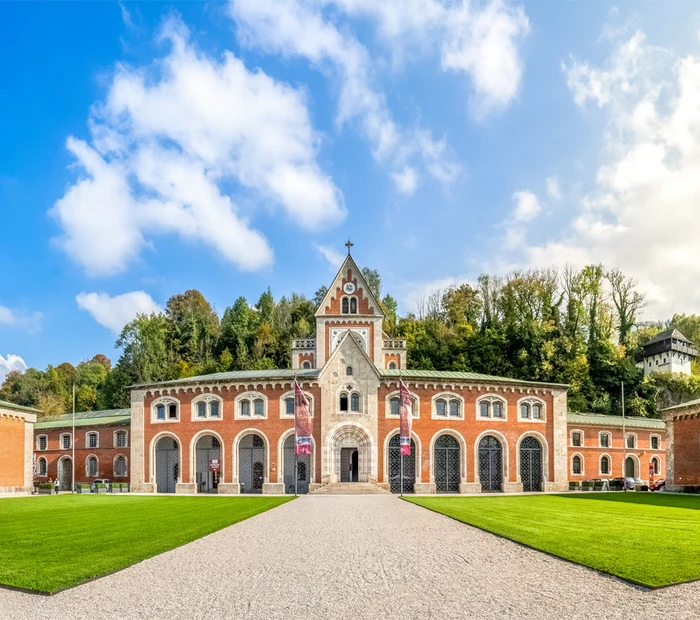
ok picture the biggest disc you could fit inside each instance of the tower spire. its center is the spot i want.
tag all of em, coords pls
(348, 245)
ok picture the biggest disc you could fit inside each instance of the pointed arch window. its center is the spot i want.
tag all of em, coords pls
(344, 402)
(345, 306)
(576, 465)
(604, 465)
(355, 402)
(353, 305)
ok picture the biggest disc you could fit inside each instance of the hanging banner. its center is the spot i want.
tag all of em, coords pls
(406, 413)
(302, 421)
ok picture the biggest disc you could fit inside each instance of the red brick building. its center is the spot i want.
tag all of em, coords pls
(683, 449)
(597, 448)
(233, 432)
(16, 433)
(102, 447)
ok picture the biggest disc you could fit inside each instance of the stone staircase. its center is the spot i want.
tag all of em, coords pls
(350, 488)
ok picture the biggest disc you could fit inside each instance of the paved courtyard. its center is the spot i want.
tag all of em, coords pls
(354, 557)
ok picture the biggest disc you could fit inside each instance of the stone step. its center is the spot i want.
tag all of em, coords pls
(350, 488)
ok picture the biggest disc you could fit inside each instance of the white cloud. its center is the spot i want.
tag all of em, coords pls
(10, 363)
(126, 16)
(481, 42)
(168, 142)
(406, 181)
(641, 215)
(115, 312)
(527, 206)
(334, 258)
(29, 321)
(553, 189)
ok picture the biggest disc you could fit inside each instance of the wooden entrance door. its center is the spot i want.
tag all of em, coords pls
(349, 470)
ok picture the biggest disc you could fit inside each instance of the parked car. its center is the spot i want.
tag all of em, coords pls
(617, 484)
(658, 485)
(632, 482)
(97, 481)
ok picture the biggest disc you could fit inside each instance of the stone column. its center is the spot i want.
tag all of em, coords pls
(558, 451)
(138, 483)
(29, 420)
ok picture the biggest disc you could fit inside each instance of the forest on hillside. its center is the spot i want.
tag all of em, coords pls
(581, 327)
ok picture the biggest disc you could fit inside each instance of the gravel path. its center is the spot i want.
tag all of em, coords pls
(354, 557)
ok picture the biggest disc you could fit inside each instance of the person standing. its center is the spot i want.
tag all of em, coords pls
(55, 486)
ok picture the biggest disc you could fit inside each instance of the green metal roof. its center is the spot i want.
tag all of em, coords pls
(461, 376)
(87, 418)
(600, 419)
(690, 403)
(240, 375)
(7, 405)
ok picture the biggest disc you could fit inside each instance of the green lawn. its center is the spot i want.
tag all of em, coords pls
(54, 542)
(650, 539)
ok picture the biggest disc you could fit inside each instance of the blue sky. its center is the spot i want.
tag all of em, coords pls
(154, 147)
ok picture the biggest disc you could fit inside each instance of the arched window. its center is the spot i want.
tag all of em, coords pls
(259, 407)
(655, 465)
(42, 442)
(206, 406)
(525, 411)
(348, 371)
(604, 440)
(91, 440)
(91, 469)
(353, 305)
(343, 401)
(392, 365)
(289, 406)
(345, 306)
(355, 402)
(245, 408)
(394, 406)
(441, 408)
(214, 409)
(201, 409)
(576, 465)
(454, 408)
(120, 439)
(604, 465)
(654, 442)
(120, 467)
(42, 466)
(492, 407)
(166, 409)
(631, 441)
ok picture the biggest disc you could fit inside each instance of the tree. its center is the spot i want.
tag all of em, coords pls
(193, 327)
(374, 281)
(628, 303)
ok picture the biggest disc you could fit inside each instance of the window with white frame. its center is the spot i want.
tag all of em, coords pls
(631, 441)
(166, 410)
(655, 442)
(251, 405)
(206, 407)
(287, 404)
(345, 306)
(91, 440)
(531, 409)
(120, 438)
(42, 466)
(491, 407)
(353, 305)
(447, 406)
(576, 465)
(604, 440)
(655, 466)
(577, 439)
(66, 441)
(120, 467)
(355, 402)
(394, 405)
(42, 442)
(604, 465)
(91, 467)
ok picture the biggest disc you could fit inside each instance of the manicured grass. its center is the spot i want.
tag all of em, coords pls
(650, 539)
(50, 543)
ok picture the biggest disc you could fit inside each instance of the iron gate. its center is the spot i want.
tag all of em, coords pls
(167, 462)
(409, 466)
(66, 477)
(447, 470)
(531, 464)
(303, 469)
(251, 464)
(208, 448)
(490, 464)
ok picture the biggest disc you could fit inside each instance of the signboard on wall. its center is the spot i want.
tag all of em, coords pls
(214, 465)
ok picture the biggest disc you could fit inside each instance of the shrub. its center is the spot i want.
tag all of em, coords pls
(83, 485)
(46, 485)
(100, 485)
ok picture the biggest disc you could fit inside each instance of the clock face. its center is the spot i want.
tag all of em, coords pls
(349, 288)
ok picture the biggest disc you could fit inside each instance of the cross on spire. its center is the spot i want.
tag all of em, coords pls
(348, 245)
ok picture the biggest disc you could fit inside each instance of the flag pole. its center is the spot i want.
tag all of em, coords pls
(400, 446)
(72, 443)
(624, 437)
(296, 456)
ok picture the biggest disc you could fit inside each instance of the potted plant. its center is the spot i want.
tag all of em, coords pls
(573, 485)
(82, 487)
(587, 485)
(597, 485)
(46, 488)
(100, 487)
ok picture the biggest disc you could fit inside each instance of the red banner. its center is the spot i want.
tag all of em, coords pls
(406, 413)
(302, 421)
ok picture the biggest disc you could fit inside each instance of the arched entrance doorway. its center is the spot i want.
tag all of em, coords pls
(251, 463)
(65, 475)
(629, 467)
(531, 464)
(208, 467)
(394, 469)
(167, 465)
(303, 463)
(490, 464)
(447, 470)
(350, 454)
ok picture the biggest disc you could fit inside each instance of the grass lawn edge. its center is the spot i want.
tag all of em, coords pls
(627, 580)
(48, 593)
